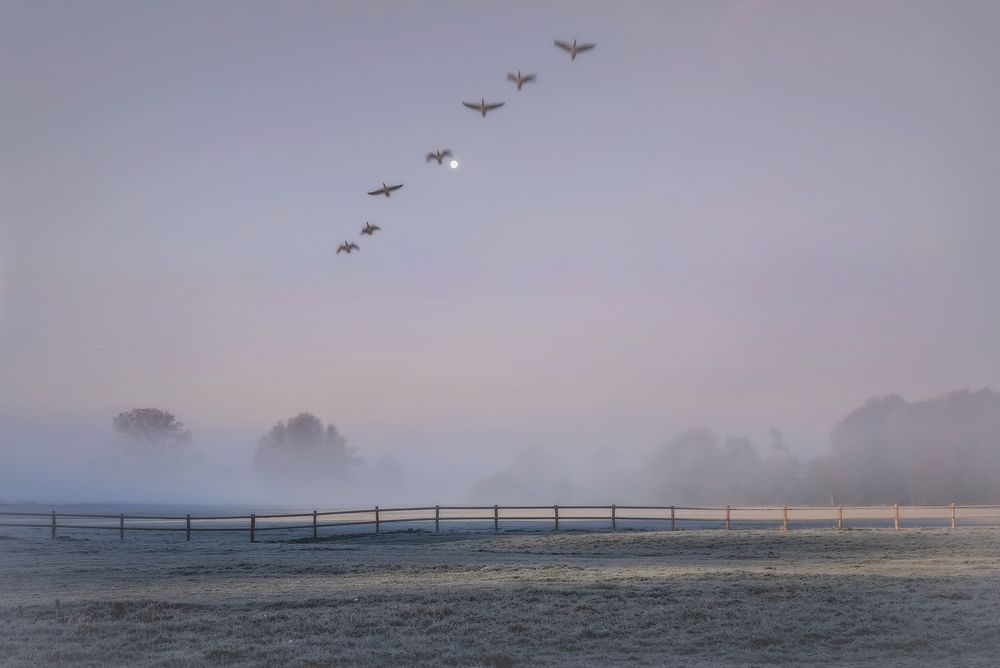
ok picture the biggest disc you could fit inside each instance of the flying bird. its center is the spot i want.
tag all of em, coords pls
(482, 107)
(385, 190)
(348, 247)
(439, 156)
(574, 48)
(369, 229)
(520, 80)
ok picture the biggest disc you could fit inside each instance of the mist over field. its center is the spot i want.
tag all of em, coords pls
(889, 450)
(665, 271)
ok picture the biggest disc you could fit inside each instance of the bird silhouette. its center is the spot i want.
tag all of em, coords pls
(520, 80)
(385, 190)
(482, 107)
(574, 48)
(348, 247)
(369, 229)
(439, 156)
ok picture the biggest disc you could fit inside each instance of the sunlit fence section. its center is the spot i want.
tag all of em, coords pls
(978, 514)
(317, 524)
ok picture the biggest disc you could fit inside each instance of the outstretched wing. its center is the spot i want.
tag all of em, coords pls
(471, 105)
(512, 77)
(380, 191)
(564, 45)
(375, 227)
(584, 47)
(491, 107)
(446, 153)
(354, 246)
(528, 77)
(431, 156)
(391, 188)
(341, 248)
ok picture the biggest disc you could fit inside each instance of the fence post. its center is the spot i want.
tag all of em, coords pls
(895, 516)
(121, 527)
(555, 509)
(53, 524)
(673, 524)
(437, 519)
(496, 518)
(189, 527)
(613, 518)
(784, 519)
(315, 535)
(954, 517)
(728, 526)
(840, 517)
(253, 527)
(377, 529)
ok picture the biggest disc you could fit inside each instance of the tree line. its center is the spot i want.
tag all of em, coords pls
(935, 452)
(301, 446)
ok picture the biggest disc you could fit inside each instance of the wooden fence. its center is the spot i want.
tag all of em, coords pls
(555, 516)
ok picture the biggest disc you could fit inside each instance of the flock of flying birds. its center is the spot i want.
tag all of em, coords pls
(482, 107)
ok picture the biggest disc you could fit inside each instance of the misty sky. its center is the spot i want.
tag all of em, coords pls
(730, 214)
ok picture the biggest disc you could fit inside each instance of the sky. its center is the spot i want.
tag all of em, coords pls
(729, 214)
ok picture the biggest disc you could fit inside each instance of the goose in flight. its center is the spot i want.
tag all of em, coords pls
(369, 229)
(482, 107)
(347, 247)
(385, 190)
(520, 80)
(574, 48)
(439, 156)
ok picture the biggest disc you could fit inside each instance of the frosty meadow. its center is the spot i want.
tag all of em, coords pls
(912, 597)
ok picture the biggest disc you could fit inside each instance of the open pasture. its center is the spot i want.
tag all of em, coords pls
(808, 597)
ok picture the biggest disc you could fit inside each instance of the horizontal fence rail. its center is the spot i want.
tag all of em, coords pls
(607, 517)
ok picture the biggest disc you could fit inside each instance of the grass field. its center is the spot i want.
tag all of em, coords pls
(765, 597)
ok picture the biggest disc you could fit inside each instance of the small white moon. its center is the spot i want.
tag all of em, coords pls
(453, 164)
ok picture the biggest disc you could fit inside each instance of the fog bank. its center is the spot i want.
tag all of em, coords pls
(888, 450)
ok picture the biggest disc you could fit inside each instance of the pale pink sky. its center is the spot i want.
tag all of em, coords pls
(729, 214)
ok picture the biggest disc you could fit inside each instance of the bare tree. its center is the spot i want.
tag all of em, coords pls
(152, 430)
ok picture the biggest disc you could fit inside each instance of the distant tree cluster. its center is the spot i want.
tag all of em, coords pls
(696, 466)
(933, 452)
(533, 476)
(302, 447)
(927, 452)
